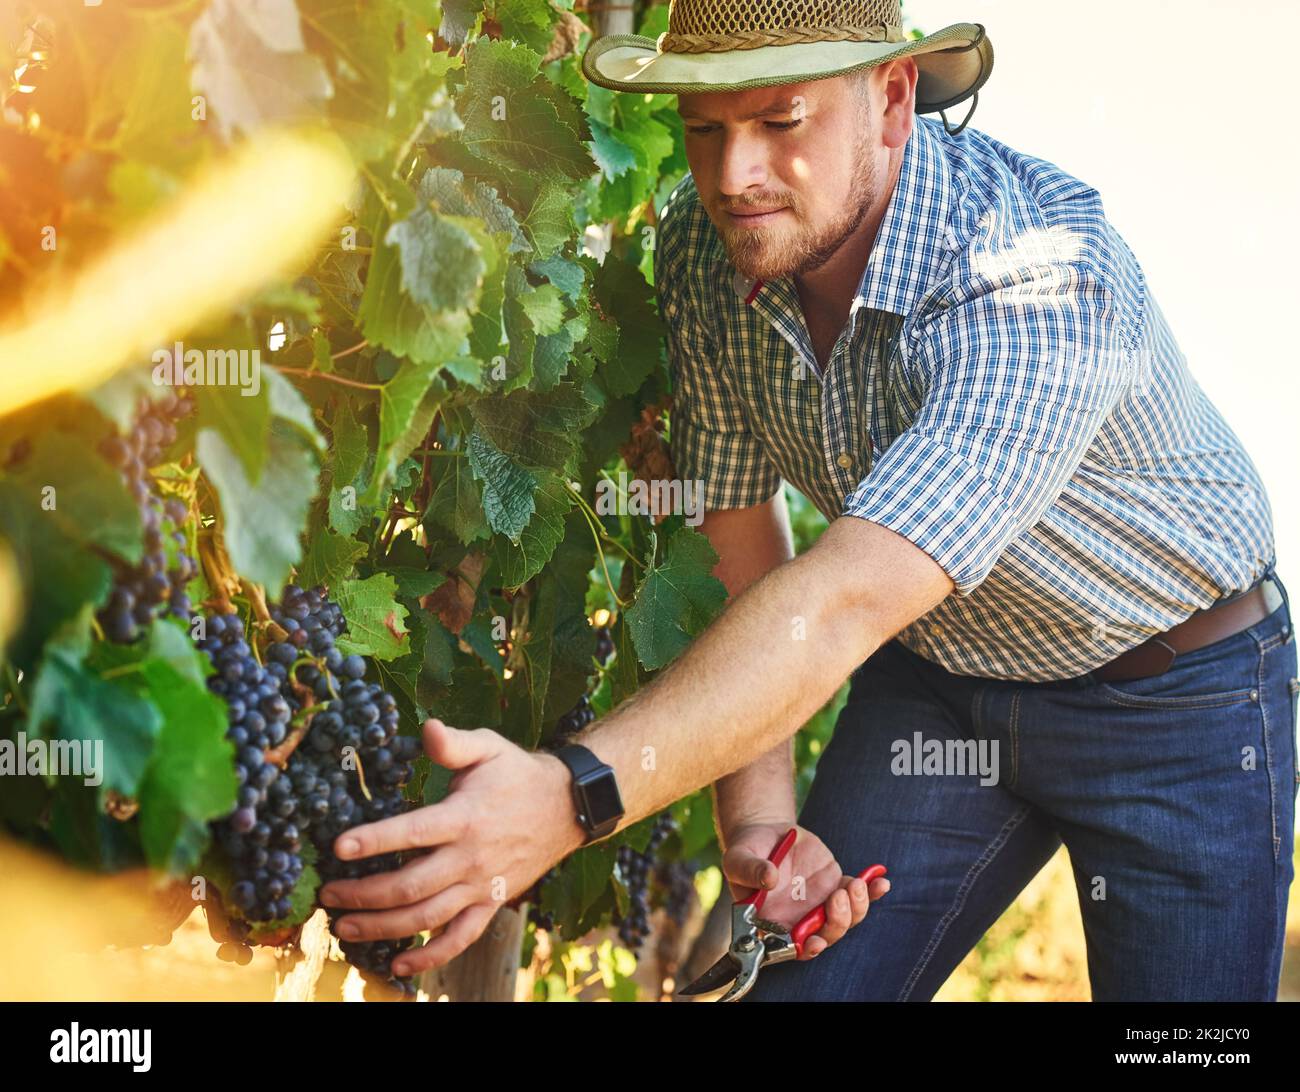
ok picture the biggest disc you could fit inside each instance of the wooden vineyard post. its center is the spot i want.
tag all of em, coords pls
(296, 978)
(613, 17)
(487, 969)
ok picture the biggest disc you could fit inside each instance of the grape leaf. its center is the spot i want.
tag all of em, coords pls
(507, 487)
(573, 636)
(459, 17)
(58, 575)
(392, 319)
(569, 277)
(170, 644)
(473, 700)
(458, 503)
(411, 396)
(243, 421)
(544, 308)
(116, 728)
(375, 619)
(612, 156)
(190, 779)
(529, 21)
(582, 878)
(515, 116)
(288, 404)
(549, 223)
(478, 634)
(454, 196)
(676, 598)
(261, 522)
(437, 660)
(330, 557)
(80, 496)
(441, 263)
(551, 358)
(600, 103)
(625, 676)
(466, 370)
(84, 833)
(414, 583)
(350, 444)
(521, 560)
(536, 428)
(519, 331)
(151, 94)
(621, 290)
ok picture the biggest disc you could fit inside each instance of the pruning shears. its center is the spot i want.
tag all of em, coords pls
(756, 942)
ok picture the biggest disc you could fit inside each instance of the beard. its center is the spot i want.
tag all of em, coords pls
(796, 247)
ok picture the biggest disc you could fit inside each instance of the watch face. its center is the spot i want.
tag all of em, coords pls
(600, 792)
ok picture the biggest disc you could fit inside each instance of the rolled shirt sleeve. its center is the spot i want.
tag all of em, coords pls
(1021, 379)
(709, 437)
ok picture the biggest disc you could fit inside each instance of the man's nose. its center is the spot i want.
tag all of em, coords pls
(743, 163)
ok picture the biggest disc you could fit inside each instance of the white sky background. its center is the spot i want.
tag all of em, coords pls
(1194, 153)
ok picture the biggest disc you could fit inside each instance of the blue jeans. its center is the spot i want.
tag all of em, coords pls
(1174, 796)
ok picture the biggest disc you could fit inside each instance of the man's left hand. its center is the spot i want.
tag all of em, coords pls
(504, 822)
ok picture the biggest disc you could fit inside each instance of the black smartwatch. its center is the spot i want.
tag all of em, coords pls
(595, 791)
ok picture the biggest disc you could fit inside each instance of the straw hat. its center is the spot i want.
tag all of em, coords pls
(733, 45)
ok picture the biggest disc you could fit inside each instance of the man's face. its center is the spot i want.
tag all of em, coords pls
(785, 173)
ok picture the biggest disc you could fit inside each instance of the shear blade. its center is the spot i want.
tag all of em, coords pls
(723, 971)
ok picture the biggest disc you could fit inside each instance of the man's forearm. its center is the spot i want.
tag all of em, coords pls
(762, 791)
(773, 657)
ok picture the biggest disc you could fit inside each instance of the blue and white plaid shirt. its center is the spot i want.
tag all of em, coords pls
(1007, 395)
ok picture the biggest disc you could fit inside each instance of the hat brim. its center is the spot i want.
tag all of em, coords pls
(950, 70)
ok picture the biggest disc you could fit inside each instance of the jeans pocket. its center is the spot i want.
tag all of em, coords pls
(1201, 679)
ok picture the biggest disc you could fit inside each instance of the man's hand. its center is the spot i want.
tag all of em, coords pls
(506, 820)
(847, 898)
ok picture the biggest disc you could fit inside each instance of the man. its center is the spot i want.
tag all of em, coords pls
(1046, 549)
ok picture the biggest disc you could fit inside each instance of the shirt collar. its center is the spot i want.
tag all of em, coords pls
(913, 235)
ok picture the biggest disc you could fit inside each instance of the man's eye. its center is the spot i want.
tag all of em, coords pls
(700, 130)
(785, 126)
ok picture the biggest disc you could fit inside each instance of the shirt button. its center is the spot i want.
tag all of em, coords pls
(936, 630)
(844, 460)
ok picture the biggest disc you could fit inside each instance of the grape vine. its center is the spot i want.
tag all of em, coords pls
(426, 409)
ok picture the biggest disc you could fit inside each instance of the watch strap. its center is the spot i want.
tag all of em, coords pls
(583, 765)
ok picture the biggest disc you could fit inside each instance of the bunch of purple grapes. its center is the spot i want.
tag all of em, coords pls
(153, 586)
(634, 868)
(261, 837)
(541, 919)
(678, 880)
(576, 719)
(604, 645)
(352, 766)
(582, 714)
(349, 768)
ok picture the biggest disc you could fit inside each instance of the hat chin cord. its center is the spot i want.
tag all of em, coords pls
(975, 100)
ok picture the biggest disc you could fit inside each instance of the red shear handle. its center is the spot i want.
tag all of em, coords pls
(776, 857)
(815, 919)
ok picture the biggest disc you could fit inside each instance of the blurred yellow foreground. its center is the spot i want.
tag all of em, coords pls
(58, 926)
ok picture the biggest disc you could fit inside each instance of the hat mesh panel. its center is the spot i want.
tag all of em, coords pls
(716, 17)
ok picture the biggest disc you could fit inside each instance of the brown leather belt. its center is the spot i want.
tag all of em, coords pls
(1156, 655)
